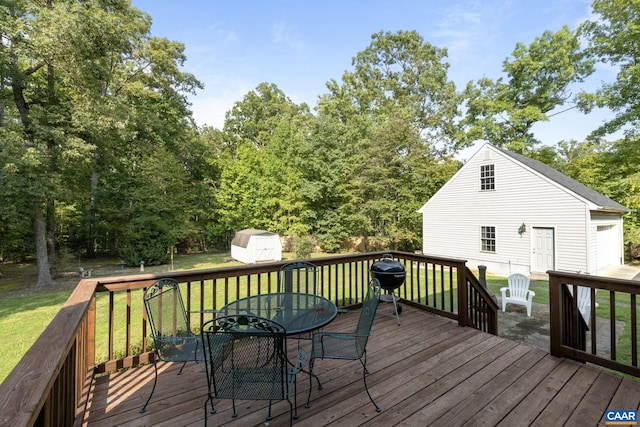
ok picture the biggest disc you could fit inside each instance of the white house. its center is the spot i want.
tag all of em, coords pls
(514, 214)
(250, 246)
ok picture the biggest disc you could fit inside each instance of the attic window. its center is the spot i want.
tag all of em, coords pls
(487, 177)
(488, 239)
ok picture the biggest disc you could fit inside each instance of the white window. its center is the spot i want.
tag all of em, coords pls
(487, 177)
(488, 239)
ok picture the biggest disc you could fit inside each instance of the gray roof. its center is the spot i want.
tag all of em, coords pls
(242, 237)
(602, 201)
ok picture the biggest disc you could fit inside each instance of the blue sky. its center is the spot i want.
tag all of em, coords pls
(232, 46)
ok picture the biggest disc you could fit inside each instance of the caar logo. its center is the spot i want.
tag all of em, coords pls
(621, 418)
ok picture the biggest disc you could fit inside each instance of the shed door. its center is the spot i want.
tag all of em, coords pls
(543, 250)
(264, 248)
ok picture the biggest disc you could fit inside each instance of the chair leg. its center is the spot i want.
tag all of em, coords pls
(295, 398)
(364, 377)
(205, 411)
(311, 375)
(181, 368)
(291, 415)
(155, 381)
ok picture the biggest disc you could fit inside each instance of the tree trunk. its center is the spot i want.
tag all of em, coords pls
(51, 151)
(44, 272)
(92, 205)
(51, 232)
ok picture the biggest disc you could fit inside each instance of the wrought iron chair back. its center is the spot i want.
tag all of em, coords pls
(299, 276)
(247, 360)
(367, 315)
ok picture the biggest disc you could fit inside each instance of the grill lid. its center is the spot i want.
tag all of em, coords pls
(387, 265)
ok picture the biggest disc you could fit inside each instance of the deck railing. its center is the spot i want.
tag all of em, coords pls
(103, 326)
(607, 333)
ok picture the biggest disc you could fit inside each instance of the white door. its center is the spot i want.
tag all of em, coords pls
(608, 246)
(264, 248)
(543, 250)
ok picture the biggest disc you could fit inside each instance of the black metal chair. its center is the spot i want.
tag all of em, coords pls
(170, 330)
(247, 360)
(299, 276)
(349, 346)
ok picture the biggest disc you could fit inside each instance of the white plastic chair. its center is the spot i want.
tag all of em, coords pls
(518, 291)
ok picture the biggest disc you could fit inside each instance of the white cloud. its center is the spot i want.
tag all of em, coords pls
(286, 35)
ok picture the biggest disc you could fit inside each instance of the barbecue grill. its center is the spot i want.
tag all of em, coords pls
(391, 275)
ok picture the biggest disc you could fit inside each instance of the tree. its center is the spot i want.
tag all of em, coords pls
(259, 114)
(324, 175)
(260, 187)
(613, 39)
(394, 116)
(539, 80)
(401, 70)
(81, 75)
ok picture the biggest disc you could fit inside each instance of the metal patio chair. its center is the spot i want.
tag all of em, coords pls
(172, 337)
(299, 276)
(247, 360)
(348, 346)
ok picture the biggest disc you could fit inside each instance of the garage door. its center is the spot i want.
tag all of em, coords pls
(608, 246)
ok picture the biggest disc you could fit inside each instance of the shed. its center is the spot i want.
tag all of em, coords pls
(515, 214)
(251, 246)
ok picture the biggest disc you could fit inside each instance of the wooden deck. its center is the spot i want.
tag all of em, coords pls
(427, 371)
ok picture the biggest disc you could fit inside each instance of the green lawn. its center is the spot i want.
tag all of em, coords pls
(25, 312)
(22, 320)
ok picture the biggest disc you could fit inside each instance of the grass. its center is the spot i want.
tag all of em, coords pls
(26, 311)
(22, 320)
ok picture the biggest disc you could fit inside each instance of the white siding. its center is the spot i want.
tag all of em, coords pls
(452, 217)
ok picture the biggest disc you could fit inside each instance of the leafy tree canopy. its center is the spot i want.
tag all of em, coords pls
(538, 81)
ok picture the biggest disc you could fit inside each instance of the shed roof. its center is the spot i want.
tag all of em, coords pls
(602, 201)
(242, 237)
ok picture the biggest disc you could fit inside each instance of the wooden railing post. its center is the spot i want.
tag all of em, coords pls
(555, 312)
(463, 301)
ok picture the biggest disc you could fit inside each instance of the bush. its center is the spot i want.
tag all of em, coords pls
(147, 240)
(303, 246)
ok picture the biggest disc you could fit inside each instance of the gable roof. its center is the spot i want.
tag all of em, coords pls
(242, 237)
(603, 202)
